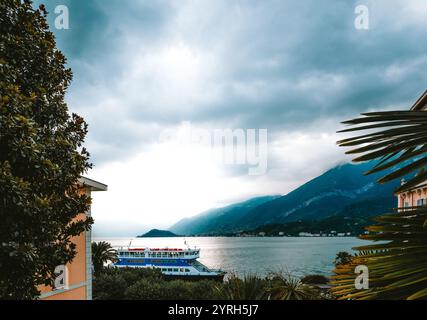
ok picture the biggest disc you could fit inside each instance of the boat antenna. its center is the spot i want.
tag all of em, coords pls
(130, 243)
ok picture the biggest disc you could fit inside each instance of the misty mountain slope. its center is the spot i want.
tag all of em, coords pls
(341, 191)
(218, 220)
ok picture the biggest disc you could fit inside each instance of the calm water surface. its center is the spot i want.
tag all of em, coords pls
(298, 255)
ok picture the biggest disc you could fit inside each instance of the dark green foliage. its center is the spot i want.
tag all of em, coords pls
(102, 252)
(158, 233)
(287, 287)
(339, 224)
(132, 275)
(250, 287)
(352, 218)
(146, 289)
(149, 284)
(109, 287)
(112, 283)
(41, 154)
(343, 258)
(314, 279)
(204, 290)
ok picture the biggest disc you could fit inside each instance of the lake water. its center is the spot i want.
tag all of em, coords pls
(298, 255)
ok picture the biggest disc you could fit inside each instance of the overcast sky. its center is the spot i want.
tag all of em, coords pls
(295, 68)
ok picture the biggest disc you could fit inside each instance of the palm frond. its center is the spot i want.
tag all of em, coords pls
(403, 140)
(398, 261)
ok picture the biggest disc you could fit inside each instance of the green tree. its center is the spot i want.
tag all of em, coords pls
(102, 252)
(286, 287)
(41, 154)
(250, 287)
(398, 264)
(342, 258)
(146, 289)
(109, 287)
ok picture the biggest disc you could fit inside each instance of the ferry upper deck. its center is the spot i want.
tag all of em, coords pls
(162, 253)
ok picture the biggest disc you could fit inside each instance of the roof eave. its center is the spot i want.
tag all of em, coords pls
(92, 184)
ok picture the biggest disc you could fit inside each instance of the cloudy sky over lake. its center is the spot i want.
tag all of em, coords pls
(295, 68)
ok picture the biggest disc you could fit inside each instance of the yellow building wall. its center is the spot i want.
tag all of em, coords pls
(411, 197)
(77, 273)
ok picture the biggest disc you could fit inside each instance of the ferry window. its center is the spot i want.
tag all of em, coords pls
(187, 270)
(170, 270)
(175, 270)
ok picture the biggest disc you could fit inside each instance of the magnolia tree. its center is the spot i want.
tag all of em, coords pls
(41, 154)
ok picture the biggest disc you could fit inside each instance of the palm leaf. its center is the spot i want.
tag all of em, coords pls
(397, 263)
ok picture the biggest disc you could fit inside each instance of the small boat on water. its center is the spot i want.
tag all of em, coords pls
(172, 262)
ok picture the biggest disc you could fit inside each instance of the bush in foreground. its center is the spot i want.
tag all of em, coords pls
(149, 284)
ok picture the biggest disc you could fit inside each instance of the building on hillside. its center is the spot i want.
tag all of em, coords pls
(415, 197)
(77, 275)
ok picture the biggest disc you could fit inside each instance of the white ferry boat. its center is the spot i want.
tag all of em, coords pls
(173, 262)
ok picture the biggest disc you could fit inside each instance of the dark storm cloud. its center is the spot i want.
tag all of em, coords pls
(281, 65)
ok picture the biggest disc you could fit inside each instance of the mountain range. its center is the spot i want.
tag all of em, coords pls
(343, 191)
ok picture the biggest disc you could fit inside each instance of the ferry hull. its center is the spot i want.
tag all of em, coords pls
(216, 277)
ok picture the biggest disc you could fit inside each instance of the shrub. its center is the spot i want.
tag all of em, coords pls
(109, 287)
(146, 289)
(314, 279)
(250, 287)
(287, 287)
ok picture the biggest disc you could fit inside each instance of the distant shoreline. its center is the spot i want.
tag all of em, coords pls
(221, 236)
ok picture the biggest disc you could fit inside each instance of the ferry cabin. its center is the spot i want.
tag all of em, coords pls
(171, 262)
